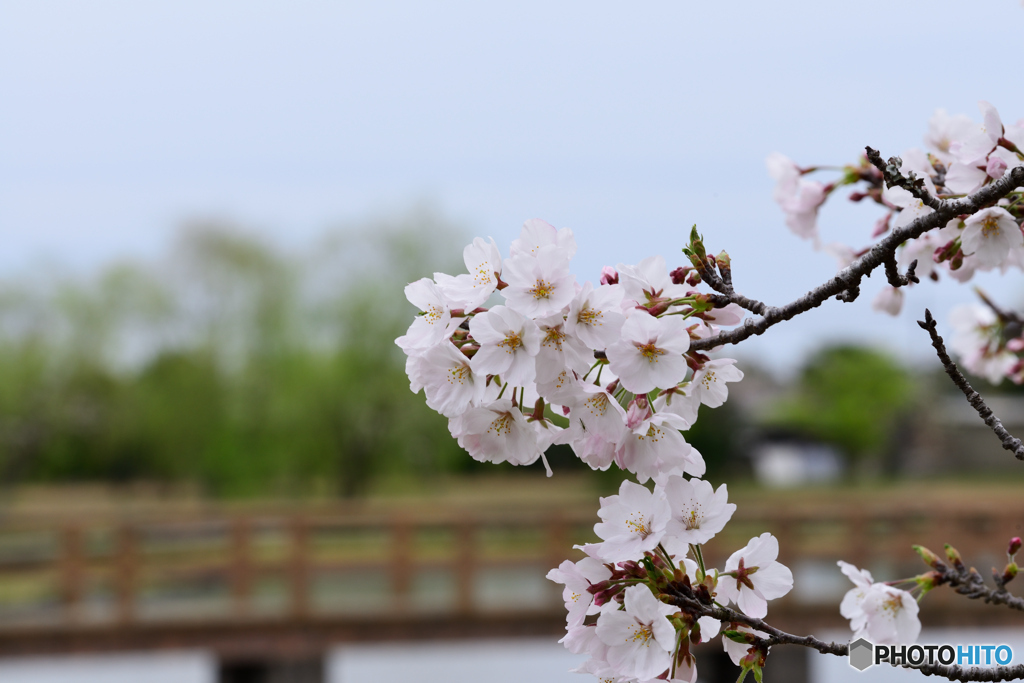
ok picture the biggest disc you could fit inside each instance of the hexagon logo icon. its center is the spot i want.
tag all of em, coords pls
(862, 654)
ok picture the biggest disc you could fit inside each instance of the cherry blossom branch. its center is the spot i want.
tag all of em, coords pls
(723, 283)
(974, 673)
(968, 583)
(1009, 441)
(849, 278)
(779, 637)
(775, 636)
(895, 178)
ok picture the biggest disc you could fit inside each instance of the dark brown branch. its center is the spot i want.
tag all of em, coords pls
(974, 673)
(968, 583)
(1009, 441)
(892, 272)
(778, 637)
(775, 636)
(850, 277)
(895, 178)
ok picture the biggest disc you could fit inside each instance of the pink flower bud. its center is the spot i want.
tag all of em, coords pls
(1014, 546)
(995, 168)
(609, 276)
(679, 275)
(637, 412)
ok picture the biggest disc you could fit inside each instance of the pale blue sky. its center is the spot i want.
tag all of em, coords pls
(119, 120)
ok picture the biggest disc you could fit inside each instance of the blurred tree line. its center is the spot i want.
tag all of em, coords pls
(228, 363)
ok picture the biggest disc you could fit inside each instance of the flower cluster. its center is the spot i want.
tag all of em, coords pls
(518, 356)
(603, 368)
(962, 156)
(650, 555)
(989, 342)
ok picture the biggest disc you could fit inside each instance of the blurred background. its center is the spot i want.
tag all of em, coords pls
(211, 466)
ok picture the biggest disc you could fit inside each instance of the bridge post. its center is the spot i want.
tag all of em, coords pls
(557, 546)
(464, 568)
(298, 571)
(401, 562)
(126, 573)
(241, 570)
(71, 571)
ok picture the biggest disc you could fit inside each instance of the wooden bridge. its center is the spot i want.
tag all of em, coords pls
(290, 582)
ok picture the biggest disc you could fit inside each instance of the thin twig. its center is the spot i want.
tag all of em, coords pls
(778, 637)
(1009, 441)
(892, 272)
(968, 583)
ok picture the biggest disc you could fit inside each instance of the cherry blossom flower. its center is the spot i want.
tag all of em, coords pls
(977, 340)
(977, 156)
(883, 614)
(435, 324)
(850, 607)
(597, 425)
(597, 411)
(681, 401)
(966, 178)
(632, 522)
(539, 285)
(890, 616)
(649, 354)
(911, 207)
(447, 379)
(508, 342)
(577, 577)
(561, 390)
(989, 235)
(698, 512)
(595, 450)
(798, 197)
(727, 316)
(595, 315)
(648, 281)
(889, 300)
(709, 382)
(654, 446)
(582, 639)
(922, 250)
(640, 638)
(537, 234)
(483, 261)
(559, 349)
(786, 175)
(996, 167)
(944, 130)
(979, 141)
(499, 432)
(604, 671)
(759, 578)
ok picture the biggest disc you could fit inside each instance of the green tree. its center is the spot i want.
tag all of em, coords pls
(849, 396)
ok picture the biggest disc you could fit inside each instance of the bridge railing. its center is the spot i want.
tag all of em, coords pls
(234, 564)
